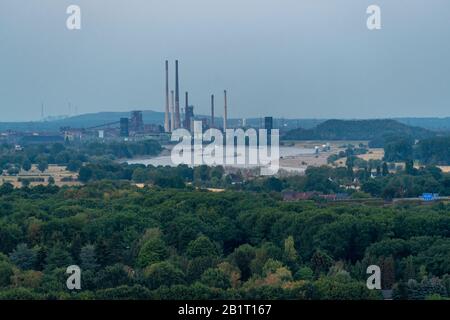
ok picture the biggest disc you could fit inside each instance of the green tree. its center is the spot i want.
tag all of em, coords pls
(290, 255)
(25, 182)
(140, 175)
(342, 288)
(197, 266)
(74, 165)
(88, 258)
(321, 262)
(373, 187)
(242, 257)
(23, 257)
(384, 169)
(114, 276)
(57, 257)
(201, 247)
(273, 184)
(19, 294)
(13, 170)
(216, 278)
(51, 181)
(201, 173)
(398, 149)
(217, 172)
(85, 174)
(6, 272)
(42, 165)
(153, 250)
(410, 270)
(6, 188)
(136, 292)
(271, 266)
(26, 165)
(387, 272)
(163, 273)
(304, 273)
(409, 167)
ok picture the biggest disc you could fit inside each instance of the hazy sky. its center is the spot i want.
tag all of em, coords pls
(286, 58)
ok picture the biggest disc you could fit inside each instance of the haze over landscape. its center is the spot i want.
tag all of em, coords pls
(233, 152)
(287, 58)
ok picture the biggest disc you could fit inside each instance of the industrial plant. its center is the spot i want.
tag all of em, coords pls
(134, 128)
(174, 114)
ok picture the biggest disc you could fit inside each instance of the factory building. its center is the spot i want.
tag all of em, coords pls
(268, 124)
(137, 122)
(124, 128)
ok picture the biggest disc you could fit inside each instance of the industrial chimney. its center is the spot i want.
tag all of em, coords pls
(177, 97)
(166, 115)
(225, 115)
(172, 111)
(212, 111)
(188, 113)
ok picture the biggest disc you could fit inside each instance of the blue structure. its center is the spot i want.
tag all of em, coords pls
(430, 196)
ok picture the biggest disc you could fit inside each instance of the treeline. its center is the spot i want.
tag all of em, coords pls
(357, 130)
(359, 179)
(359, 183)
(155, 243)
(432, 151)
(397, 139)
(71, 155)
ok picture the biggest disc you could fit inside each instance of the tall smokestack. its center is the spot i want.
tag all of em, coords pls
(172, 111)
(187, 113)
(212, 111)
(225, 115)
(177, 97)
(166, 116)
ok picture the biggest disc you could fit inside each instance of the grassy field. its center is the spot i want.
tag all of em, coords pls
(315, 160)
(59, 174)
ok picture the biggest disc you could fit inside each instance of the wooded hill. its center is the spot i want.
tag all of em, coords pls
(357, 130)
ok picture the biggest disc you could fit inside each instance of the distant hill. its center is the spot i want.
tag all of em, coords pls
(282, 124)
(95, 119)
(309, 126)
(150, 117)
(81, 121)
(435, 124)
(357, 130)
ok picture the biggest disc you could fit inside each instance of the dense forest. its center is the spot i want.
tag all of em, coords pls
(172, 238)
(155, 243)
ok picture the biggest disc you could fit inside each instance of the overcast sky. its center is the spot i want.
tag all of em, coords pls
(286, 58)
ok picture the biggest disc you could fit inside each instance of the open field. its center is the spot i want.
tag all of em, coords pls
(59, 173)
(301, 162)
(373, 154)
(445, 169)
